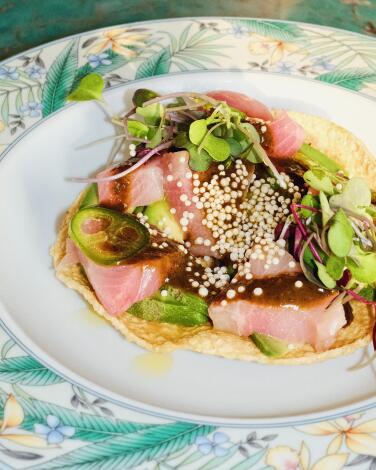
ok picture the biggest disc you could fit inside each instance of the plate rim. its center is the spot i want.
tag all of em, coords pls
(181, 18)
(27, 344)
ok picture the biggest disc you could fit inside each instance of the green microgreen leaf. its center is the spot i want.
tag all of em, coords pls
(249, 131)
(311, 201)
(235, 147)
(320, 158)
(335, 267)
(137, 128)
(326, 212)
(152, 113)
(217, 148)
(197, 131)
(89, 88)
(371, 210)
(369, 293)
(356, 196)
(362, 265)
(340, 234)
(197, 161)
(318, 180)
(155, 136)
(252, 154)
(142, 95)
(308, 258)
(324, 276)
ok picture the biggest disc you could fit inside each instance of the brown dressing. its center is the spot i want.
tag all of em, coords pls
(281, 291)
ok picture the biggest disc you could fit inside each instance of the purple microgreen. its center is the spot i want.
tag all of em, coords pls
(144, 159)
(309, 208)
(360, 298)
(304, 232)
(188, 94)
(345, 279)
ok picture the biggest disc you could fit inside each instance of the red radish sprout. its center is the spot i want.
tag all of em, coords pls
(304, 232)
(144, 159)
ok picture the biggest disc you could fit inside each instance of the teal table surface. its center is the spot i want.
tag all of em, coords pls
(28, 23)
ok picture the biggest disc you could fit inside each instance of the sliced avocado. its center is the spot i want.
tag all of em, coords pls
(159, 215)
(178, 307)
(90, 197)
(270, 346)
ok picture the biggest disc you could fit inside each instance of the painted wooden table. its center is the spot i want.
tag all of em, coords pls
(26, 23)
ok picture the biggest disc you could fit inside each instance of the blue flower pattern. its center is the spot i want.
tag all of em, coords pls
(8, 73)
(238, 31)
(35, 71)
(284, 67)
(54, 432)
(31, 109)
(323, 63)
(206, 446)
(99, 59)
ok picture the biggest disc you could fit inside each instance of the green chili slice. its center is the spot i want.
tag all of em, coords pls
(106, 236)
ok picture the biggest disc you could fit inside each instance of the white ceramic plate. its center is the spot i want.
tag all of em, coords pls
(50, 320)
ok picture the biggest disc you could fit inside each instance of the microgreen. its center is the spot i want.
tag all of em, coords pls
(137, 128)
(335, 267)
(369, 293)
(142, 95)
(235, 147)
(89, 88)
(250, 131)
(355, 197)
(311, 201)
(340, 234)
(324, 276)
(362, 265)
(326, 211)
(253, 153)
(317, 179)
(152, 113)
(155, 136)
(320, 158)
(197, 161)
(216, 147)
(197, 131)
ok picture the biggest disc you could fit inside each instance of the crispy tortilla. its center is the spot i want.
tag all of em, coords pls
(331, 139)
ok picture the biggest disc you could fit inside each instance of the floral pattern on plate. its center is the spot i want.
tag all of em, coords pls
(48, 423)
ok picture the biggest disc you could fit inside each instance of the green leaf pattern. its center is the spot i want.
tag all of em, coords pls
(131, 450)
(26, 370)
(59, 79)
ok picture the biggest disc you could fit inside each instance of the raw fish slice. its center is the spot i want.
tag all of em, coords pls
(244, 103)
(283, 310)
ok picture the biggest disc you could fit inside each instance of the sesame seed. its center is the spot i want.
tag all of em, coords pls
(164, 293)
(241, 289)
(298, 284)
(291, 264)
(179, 184)
(223, 303)
(170, 178)
(257, 291)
